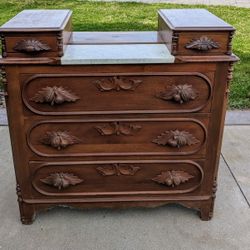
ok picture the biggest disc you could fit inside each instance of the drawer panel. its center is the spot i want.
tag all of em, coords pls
(64, 94)
(142, 136)
(116, 178)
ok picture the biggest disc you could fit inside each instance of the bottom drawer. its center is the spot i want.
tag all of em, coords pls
(141, 177)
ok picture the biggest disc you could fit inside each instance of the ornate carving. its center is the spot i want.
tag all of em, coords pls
(4, 82)
(175, 138)
(60, 44)
(117, 83)
(31, 45)
(54, 95)
(117, 128)
(59, 139)
(118, 169)
(178, 93)
(202, 44)
(19, 193)
(172, 178)
(61, 180)
(229, 77)
(229, 45)
(175, 39)
(3, 44)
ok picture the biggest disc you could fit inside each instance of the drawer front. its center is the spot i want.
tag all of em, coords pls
(151, 136)
(63, 94)
(116, 178)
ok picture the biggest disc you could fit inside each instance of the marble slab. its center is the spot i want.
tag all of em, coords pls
(117, 54)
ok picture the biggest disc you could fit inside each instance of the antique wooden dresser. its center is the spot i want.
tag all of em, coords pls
(116, 119)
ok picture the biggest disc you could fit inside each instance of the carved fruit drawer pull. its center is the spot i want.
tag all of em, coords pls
(118, 169)
(178, 93)
(172, 178)
(202, 44)
(61, 180)
(59, 139)
(31, 46)
(175, 138)
(54, 95)
(117, 128)
(117, 83)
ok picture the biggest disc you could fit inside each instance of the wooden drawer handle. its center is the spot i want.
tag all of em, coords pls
(54, 95)
(61, 180)
(175, 139)
(118, 169)
(118, 128)
(117, 83)
(31, 46)
(178, 93)
(202, 44)
(172, 178)
(59, 139)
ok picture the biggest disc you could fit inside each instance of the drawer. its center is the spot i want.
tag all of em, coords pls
(116, 178)
(75, 94)
(142, 136)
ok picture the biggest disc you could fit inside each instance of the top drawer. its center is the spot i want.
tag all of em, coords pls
(74, 94)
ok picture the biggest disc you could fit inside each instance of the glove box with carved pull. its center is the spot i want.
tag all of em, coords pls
(116, 119)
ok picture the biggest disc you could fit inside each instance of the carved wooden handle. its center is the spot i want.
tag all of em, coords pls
(54, 95)
(178, 93)
(202, 44)
(61, 180)
(59, 139)
(31, 46)
(175, 139)
(117, 83)
(118, 169)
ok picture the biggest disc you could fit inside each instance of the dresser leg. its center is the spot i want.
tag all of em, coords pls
(206, 210)
(27, 213)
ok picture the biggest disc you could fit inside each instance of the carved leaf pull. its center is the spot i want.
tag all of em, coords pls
(59, 139)
(175, 138)
(31, 46)
(178, 93)
(202, 44)
(172, 178)
(117, 83)
(61, 180)
(118, 169)
(117, 128)
(54, 95)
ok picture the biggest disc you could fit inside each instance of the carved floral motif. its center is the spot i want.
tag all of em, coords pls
(117, 128)
(178, 93)
(61, 180)
(54, 95)
(202, 44)
(59, 139)
(117, 83)
(175, 138)
(31, 46)
(172, 178)
(118, 169)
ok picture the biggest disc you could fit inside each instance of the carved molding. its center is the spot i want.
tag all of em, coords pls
(59, 139)
(118, 128)
(19, 193)
(60, 44)
(54, 95)
(173, 178)
(118, 169)
(3, 45)
(178, 93)
(175, 39)
(229, 45)
(4, 82)
(175, 139)
(31, 45)
(202, 44)
(117, 83)
(229, 77)
(61, 180)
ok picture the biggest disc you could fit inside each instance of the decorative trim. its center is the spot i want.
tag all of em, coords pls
(31, 46)
(19, 193)
(4, 51)
(229, 77)
(61, 180)
(54, 95)
(173, 178)
(175, 40)
(59, 139)
(117, 83)
(60, 44)
(4, 82)
(175, 139)
(178, 93)
(118, 169)
(230, 43)
(202, 44)
(118, 128)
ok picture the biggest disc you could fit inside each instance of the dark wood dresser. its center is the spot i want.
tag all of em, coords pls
(116, 119)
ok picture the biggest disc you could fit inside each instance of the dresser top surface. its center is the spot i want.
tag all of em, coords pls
(37, 20)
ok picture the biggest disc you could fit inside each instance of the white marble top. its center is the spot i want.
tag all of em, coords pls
(117, 54)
